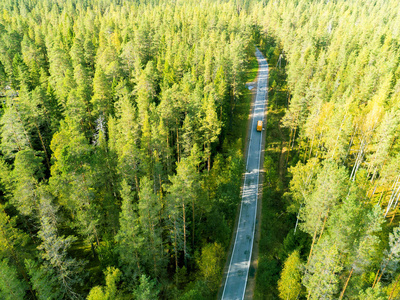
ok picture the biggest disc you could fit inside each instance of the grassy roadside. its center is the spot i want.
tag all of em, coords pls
(277, 238)
(242, 109)
(239, 135)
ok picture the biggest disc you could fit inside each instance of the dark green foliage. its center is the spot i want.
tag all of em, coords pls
(119, 143)
(11, 287)
(43, 281)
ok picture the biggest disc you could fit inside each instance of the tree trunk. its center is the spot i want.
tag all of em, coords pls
(323, 226)
(345, 286)
(193, 223)
(43, 146)
(312, 245)
(394, 288)
(376, 277)
(184, 232)
(177, 144)
(176, 250)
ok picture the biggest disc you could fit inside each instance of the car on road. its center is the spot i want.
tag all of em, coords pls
(259, 125)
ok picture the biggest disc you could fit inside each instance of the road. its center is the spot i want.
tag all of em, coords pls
(238, 272)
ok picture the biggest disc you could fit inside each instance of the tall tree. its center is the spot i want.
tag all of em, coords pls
(289, 284)
(11, 287)
(149, 210)
(54, 249)
(26, 175)
(129, 238)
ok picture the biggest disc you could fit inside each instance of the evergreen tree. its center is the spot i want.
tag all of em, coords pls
(149, 210)
(146, 290)
(129, 238)
(108, 292)
(289, 284)
(11, 287)
(26, 175)
(54, 249)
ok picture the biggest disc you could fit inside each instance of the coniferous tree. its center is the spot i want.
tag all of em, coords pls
(11, 287)
(129, 239)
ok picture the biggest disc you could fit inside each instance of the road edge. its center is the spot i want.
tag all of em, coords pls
(251, 276)
(251, 280)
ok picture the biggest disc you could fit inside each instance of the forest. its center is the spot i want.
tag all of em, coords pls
(122, 127)
(336, 79)
(121, 160)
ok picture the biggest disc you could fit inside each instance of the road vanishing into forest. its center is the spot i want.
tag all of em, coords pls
(236, 278)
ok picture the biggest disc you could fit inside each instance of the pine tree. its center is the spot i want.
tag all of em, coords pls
(211, 126)
(321, 275)
(129, 239)
(289, 284)
(124, 135)
(14, 136)
(26, 174)
(101, 100)
(11, 287)
(44, 281)
(109, 292)
(54, 249)
(149, 210)
(146, 290)
(184, 190)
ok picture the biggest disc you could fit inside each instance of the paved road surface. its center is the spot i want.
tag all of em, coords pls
(236, 279)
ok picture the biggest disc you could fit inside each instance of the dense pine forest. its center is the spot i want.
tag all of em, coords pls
(122, 128)
(120, 158)
(337, 79)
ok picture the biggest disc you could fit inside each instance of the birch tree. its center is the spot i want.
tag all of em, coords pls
(289, 284)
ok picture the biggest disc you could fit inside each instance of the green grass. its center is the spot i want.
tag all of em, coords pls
(275, 222)
(252, 71)
(242, 108)
(276, 239)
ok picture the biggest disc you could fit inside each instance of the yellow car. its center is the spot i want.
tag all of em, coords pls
(259, 125)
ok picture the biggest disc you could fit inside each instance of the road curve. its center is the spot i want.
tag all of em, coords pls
(236, 278)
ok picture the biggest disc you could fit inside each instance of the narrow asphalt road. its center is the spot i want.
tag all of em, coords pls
(236, 278)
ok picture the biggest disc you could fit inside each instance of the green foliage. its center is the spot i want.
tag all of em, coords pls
(210, 265)
(129, 239)
(26, 175)
(375, 293)
(112, 130)
(54, 250)
(43, 281)
(108, 292)
(320, 278)
(289, 285)
(341, 111)
(147, 289)
(11, 287)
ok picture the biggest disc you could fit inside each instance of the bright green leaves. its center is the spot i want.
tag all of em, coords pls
(289, 284)
(210, 264)
(321, 277)
(26, 175)
(109, 292)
